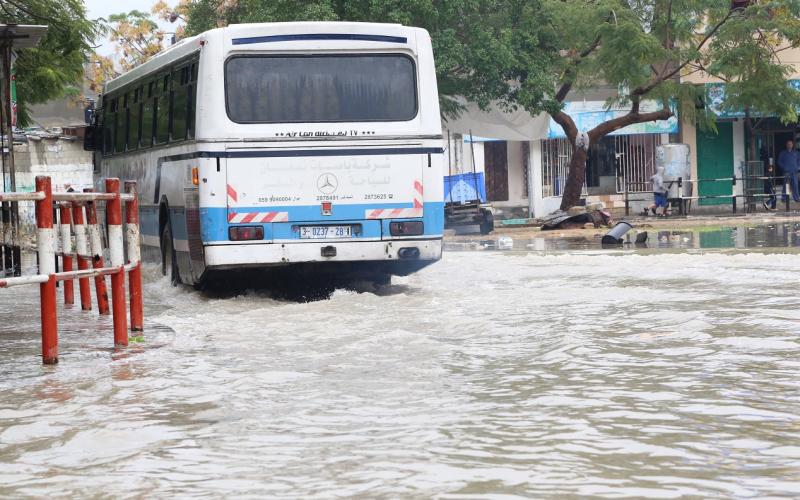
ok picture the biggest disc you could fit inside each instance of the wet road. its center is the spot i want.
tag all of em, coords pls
(488, 374)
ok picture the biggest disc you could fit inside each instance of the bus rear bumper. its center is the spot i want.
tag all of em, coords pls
(272, 254)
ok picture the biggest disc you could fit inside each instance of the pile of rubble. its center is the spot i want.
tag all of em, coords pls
(593, 215)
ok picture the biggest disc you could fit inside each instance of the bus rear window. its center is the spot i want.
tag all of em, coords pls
(338, 88)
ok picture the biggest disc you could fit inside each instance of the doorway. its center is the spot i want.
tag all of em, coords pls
(715, 161)
(495, 158)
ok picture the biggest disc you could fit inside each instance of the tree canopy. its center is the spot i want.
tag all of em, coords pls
(534, 53)
(54, 68)
(475, 42)
(648, 49)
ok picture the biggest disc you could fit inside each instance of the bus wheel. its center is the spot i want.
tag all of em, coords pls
(169, 266)
(487, 222)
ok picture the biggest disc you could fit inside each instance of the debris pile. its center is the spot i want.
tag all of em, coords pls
(578, 218)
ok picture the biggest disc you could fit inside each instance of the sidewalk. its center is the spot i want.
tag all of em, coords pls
(521, 228)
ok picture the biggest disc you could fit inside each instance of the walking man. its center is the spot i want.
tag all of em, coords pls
(788, 164)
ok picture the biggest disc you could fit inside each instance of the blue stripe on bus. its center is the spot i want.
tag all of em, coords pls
(319, 36)
(148, 220)
(214, 221)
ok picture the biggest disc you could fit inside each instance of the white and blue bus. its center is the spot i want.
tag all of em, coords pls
(282, 144)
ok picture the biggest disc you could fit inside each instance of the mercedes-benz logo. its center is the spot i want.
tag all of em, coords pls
(327, 183)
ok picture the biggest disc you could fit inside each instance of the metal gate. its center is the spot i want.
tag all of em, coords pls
(636, 161)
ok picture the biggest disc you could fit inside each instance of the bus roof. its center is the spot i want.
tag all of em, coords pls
(259, 33)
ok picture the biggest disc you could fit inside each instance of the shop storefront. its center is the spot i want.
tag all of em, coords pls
(624, 156)
(724, 152)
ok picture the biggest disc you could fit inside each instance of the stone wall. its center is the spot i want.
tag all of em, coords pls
(63, 159)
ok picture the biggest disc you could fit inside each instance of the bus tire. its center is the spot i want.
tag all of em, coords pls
(169, 263)
(487, 222)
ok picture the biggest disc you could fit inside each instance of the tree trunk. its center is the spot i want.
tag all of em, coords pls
(577, 175)
(577, 165)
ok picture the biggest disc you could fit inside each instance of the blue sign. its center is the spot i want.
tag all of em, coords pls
(715, 98)
(589, 114)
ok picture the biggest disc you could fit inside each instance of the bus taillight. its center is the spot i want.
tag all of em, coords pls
(408, 228)
(242, 233)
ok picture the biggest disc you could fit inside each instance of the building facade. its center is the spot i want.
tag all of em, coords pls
(525, 170)
(725, 152)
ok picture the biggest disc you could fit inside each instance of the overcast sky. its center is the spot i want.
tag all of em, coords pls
(104, 8)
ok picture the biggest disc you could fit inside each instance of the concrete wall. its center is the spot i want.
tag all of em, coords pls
(738, 152)
(63, 160)
(466, 167)
(516, 178)
(58, 113)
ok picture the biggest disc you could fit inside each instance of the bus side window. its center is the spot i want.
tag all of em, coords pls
(180, 81)
(148, 115)
(107, 119)
(191, 96)
(162, 111)
(134, 114)
(121, 132)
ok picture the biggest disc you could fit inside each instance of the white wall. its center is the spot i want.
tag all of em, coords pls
(460, 157)
(516, 175)
(64, 161)
(738, 152)
(479, 163)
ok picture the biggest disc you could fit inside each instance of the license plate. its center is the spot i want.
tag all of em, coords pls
(323, 232)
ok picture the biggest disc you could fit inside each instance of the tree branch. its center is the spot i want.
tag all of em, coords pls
(631, 118)
(562, 92)
(654, 82)
(568, 124)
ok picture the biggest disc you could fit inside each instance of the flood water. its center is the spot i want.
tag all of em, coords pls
(779, 235)
(632, 373)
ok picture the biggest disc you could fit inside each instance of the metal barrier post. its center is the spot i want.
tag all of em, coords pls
(66, 250)
(117, 254)
(134, 257)
(96, 248)
(733, 193)
(47, 290)
(82, 249)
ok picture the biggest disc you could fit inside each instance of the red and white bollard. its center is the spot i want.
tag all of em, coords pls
(96, 251)
(82, 249)
(132, 237)
(65, 214)
(47, 266)
(117, 253)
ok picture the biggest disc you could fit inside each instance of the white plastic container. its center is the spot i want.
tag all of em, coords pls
(675, 160)
(505, 243)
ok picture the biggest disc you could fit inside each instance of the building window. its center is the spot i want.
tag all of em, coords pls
(556, 154)
(636, 161)
(526, 167)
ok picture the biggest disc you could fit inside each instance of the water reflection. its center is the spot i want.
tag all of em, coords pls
(741, 237)
(661, 373)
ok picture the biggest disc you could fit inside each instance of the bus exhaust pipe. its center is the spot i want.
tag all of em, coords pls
(408, 253)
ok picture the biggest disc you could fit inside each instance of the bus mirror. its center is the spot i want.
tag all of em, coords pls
(93, 138)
